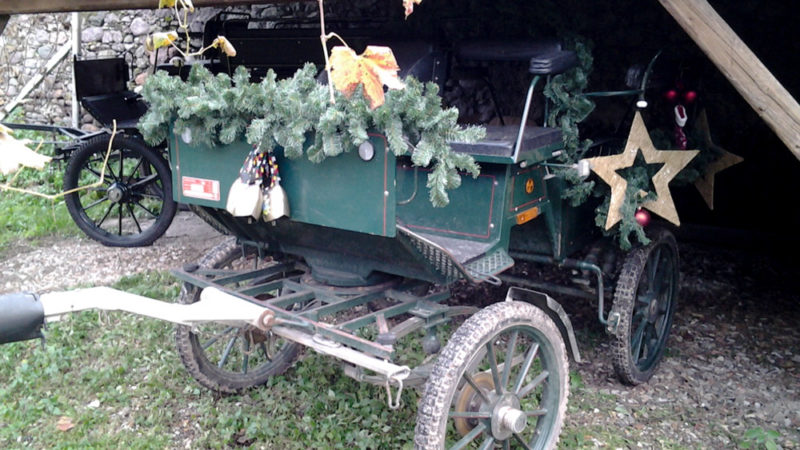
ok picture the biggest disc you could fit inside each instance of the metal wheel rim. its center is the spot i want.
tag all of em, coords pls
(236, 352)
(654, 302)
(141, 194)
(531, 381)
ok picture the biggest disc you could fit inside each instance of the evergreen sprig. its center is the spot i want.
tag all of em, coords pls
(296, 114)
(570, 107)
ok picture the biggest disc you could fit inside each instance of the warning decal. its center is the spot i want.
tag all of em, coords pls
(201, 188)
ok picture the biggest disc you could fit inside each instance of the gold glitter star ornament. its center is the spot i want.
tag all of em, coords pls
(639, 140)
(705, 183)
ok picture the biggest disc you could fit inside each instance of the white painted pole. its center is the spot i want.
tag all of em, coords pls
(76, 52)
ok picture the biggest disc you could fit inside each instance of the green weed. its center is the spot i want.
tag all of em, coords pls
(760, 438)
(26, 216)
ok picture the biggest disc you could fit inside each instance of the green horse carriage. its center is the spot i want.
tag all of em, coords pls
(362, 266)
(364, 261)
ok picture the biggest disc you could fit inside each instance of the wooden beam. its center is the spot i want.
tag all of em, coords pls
(741, 66)
(43, 6)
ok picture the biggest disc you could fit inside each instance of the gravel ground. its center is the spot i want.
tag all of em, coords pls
(733, 360)
(53, 264)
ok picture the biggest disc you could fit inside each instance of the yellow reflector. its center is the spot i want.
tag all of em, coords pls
(527, 216)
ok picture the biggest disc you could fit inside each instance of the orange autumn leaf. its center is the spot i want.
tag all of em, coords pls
(409, 6)
(374, 68)
(65, 423)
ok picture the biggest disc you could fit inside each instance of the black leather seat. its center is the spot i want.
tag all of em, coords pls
(544, 57)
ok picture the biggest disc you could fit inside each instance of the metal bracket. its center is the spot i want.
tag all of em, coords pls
(396, 402)
(613, 322)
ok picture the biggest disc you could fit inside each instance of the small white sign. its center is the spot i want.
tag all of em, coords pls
(201, 188)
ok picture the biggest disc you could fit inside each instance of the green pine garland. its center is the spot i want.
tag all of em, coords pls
(296, 114)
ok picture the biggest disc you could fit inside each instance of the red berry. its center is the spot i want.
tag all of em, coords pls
(642, 217)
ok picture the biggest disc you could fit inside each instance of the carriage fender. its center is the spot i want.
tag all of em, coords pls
(554, 310)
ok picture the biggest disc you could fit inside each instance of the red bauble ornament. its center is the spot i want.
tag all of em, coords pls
(642, 217)
(690, 96)
(671, 95)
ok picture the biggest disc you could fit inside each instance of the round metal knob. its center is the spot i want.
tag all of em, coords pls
(513, 419)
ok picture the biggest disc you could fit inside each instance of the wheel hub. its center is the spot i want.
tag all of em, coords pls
(117, 193)
(470, 401)
(507, 418)
(652, 310)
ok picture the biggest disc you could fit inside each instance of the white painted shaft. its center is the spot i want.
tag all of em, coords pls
(214, 306)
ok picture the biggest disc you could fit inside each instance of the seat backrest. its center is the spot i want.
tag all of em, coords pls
(100, 76)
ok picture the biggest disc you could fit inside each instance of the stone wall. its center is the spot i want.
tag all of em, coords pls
(31, 40)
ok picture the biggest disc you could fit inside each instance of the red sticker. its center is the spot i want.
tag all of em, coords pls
(201, 188)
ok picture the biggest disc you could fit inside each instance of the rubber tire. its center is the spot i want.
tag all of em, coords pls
(625, 296)
(432, 415)
(98, 145)
(194, 357)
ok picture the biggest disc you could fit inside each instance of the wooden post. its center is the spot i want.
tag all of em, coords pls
(741, 66)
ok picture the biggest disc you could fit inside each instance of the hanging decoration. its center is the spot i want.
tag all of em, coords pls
(705, 182)
(257, 191)
(673, 161)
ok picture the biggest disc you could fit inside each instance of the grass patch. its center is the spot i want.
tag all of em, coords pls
(119, 380)
(29, 217)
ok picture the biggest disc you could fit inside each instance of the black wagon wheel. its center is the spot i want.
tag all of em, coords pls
(224, 358)
(645, 299)
(501, 380)
(131, 203)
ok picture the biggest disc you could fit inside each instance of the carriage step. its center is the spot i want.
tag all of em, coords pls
(488, 266)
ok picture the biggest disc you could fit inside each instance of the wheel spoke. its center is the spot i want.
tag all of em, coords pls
(536, 412)
(108, 211)
(507, 444)
(653, 338)
(521, 441)
(469, 437)
(121, 165)
(138, 164)
(119, 219)
(644, 299)
(227, 351)
(148, 195)
(653, 270)
(144, 181)
(526, 366)
(95, 203)
(245, 353)
(470, 415)
(216, 337)
(133, 216)
(144, 208)
(475, 387)
(636, 342)
(110, 171)
(487, 444)
(533, 384)
(507, 363)
(96, 173)
(498, 388)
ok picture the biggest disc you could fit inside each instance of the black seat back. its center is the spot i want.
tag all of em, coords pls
(100, 76)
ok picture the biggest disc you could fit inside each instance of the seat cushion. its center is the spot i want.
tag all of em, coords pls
(553, 63)
(500, 141)
(503, 50)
